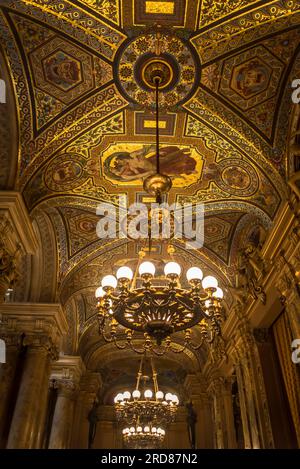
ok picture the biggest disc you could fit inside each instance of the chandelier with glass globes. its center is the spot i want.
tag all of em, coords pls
(145, 413)
(147, 437)
(151, 313)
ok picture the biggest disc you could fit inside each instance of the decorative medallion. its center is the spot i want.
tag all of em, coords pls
(65, 172)
(157, 55)
(237, 177)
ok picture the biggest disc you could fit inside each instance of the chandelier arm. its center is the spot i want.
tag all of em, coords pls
(120, 347)
(157, 352)
(197, 347)
(139, 351)
(187, 306)
(103, 334)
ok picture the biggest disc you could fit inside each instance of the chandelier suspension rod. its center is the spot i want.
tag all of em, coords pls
(140, 372)
(154, 376)
(157, 81)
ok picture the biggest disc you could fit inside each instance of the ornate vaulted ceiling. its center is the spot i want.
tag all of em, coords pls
(80, 107)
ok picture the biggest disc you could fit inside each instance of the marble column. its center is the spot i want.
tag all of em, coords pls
(62, 423)
(7, 376)
(43, 401)
(31, 397)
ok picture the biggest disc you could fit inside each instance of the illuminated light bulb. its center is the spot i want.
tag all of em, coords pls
(209, 282)
(169, 396)
(124, 273)
(159, 430)
(163, 432)
(109, 281)
(118, 398)
(147, 268)
(146, 429)
(136, 394)
(172, 268)
(207, 303)
(218, 294)
(132, 430)
(99, 293)
(139, 429)
(194, 273)
(110, 311)
(159, 395)
(124, 431)
(148, 394)
(126, 395)
(154, 430)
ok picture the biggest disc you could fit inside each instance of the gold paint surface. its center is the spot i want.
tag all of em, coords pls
(162, 8)
(149, 124)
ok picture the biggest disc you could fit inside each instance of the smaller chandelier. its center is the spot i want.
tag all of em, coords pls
(158, 311)
(146, 414)
(143, 438)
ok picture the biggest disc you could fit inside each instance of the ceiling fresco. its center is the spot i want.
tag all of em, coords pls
(80, 73)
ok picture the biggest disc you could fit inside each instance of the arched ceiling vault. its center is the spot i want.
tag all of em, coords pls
(71, 64)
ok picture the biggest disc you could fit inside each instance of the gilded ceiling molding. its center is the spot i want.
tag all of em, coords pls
(245, 28)
(9, 129)
(76, 22)
(21, 91)
(96, 109)
(212, 11)
(46, 265)
(87, 272)
(207, 108)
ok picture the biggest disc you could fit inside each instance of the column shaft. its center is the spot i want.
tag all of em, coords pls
(25, 419)
(7, 375)
(62, 420)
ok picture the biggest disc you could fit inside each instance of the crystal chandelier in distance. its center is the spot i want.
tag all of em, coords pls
(159, 311)
(146, 414)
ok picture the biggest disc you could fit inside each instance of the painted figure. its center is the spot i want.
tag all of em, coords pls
(138, 164)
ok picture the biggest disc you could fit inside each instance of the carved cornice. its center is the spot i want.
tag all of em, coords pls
(34, 319)
(14, 209)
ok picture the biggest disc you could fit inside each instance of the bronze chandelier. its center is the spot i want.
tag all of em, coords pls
(146, 414)
(150, 314)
